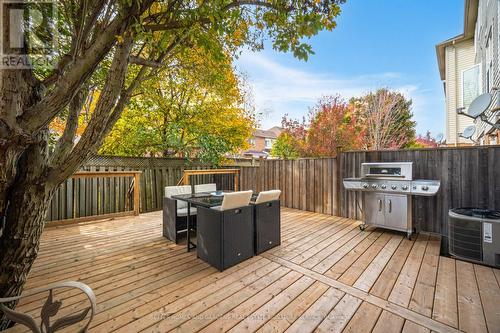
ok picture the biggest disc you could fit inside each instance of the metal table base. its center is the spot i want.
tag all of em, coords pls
(190, 244)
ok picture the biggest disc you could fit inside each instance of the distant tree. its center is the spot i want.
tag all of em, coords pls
(387, 119)
(196, 109)
(379, 120)
(294, 135)
(284, 147)
(424, 141)
(334, 125)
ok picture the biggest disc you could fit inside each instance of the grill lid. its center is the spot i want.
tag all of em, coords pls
(477, 212)
(387, 170)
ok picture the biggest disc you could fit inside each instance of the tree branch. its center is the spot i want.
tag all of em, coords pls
(38, 116)
(94, 133)
(239, 3)
(66, 141)
(44, 111)
(145, 62)
(205, 20)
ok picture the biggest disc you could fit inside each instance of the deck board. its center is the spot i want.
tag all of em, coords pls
(445, 297)
(327, 275)
(470, 310)
(490, 296)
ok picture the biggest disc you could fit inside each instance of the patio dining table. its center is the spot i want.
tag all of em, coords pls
(204, 199)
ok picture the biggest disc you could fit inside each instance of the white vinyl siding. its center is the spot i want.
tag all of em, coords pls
(458, 57)
(488, 44)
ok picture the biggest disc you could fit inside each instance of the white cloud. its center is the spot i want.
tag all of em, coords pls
(279, 89)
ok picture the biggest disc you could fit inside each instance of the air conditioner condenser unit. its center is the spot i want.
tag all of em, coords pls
(474, 235)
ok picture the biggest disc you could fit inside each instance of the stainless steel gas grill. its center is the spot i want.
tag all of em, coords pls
(388, 189)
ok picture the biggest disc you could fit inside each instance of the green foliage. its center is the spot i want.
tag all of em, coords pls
(212, 149)
(166, 33)
(284, 147)
(194, 109)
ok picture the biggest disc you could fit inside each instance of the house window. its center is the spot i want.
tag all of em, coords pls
(251, 142)
(489, 61)
(493, 140)
(471, 84)
(269, 143)
(488, 79)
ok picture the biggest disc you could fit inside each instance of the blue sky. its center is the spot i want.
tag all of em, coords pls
(386, 43)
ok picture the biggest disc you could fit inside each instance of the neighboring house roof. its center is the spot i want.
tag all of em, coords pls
(277, 130)
(470, 18)
(257, 153)
(265, 134)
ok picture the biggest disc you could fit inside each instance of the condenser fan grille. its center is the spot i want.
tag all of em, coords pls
(465, 239)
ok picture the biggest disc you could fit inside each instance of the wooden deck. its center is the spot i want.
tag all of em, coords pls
(326, 276)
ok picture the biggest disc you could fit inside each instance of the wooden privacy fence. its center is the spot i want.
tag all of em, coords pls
(82, 198)
(470, 176)
(307, 184)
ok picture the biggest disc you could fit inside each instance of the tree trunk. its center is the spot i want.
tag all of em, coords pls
(29, 177)
(24, 194)
(27, 200)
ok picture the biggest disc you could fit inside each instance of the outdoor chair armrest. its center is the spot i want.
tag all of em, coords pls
(50, 309)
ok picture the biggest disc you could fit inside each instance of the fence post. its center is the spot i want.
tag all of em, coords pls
(185, 178)
(237, 180)
(338, 182)
(137, 193)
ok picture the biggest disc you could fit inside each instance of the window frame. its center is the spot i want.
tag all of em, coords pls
(480, 79)
(266, 140)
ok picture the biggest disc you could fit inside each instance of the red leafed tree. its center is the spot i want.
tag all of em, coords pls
(334, 125)
(292, 142)
(425, 141)
(377, 121)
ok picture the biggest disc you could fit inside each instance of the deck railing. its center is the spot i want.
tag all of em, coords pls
(111, 194)
(92, 194)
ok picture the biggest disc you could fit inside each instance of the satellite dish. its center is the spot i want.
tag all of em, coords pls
(468, 132)
(479, 105)
(439, 137)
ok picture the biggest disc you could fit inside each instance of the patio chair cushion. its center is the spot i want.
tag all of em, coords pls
(181, 212)
(235, 200)
(212, 187)
(176, 190)
(266, 196)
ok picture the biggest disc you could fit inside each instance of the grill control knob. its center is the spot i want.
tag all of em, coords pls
(425, 188)
(374, 186)
(365, 185)
(404, 187)
(394, 187)
(383, 186)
